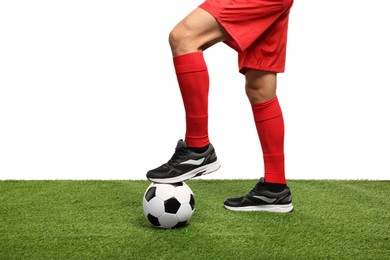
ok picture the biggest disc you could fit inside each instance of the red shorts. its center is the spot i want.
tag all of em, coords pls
(258, 30)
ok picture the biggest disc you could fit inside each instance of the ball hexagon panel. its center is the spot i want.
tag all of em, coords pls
(164, 191)
(182, 194)
(155, 207)
(185, 212)
(168, 220)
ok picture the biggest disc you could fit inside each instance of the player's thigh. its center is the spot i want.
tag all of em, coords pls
(197, 31)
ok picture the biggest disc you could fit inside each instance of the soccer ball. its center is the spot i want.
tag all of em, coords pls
(169, 205)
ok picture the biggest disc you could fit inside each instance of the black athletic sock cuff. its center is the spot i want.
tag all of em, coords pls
(199, 149)
(275, 187)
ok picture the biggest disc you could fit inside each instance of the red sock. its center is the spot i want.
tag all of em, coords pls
(193, 79)
(270, 128)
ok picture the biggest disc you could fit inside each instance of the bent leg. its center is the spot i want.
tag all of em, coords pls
(196, 32)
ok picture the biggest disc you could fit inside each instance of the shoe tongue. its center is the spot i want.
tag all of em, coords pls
(261, 182)
(259, 186)
(181, 144)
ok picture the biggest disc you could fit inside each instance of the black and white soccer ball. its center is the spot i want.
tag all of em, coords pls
(169, 205)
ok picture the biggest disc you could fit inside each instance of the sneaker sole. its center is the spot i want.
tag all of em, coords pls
(268, 208)
(203, 170)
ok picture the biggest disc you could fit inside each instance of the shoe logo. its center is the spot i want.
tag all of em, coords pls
(194, 162)
(266, 199)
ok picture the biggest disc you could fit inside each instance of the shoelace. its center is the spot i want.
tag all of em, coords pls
(179, 153)
(258, 187)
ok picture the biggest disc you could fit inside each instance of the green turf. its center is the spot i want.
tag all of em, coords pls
(104, 220)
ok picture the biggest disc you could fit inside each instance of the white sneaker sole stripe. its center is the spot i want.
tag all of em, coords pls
(269, 208)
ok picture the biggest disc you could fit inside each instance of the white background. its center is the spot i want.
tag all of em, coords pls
(88, 91)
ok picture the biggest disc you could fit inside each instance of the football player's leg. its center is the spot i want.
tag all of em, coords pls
(261, 91)
(271, 194)
(260, 64)
(189, 38)
(196, 156)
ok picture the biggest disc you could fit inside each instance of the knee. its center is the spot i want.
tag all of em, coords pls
(181, 41)
(257, 94)
(260, 86)
(174, 38)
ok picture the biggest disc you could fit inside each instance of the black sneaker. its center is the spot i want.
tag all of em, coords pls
(185, 165)
(261, 199)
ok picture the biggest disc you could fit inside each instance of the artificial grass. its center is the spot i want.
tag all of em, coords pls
(104, 220)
